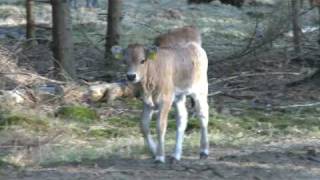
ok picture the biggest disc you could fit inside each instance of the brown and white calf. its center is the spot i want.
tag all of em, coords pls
(167, 75)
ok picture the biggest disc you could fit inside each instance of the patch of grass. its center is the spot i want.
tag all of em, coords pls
(2, 163)
(72, 155)
(77, 113)
(29, 122)
(101, 132)
(134, 103)
(305, 120)
(92, 154)
(124, 121)
(116, 127)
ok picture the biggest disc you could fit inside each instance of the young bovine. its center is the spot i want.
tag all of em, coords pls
(167, 75)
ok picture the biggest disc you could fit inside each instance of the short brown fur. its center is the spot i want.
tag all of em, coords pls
(179, 36)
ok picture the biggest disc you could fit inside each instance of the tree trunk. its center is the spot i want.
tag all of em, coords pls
(62, 40)
(319, 24)
(114, 18)
(30, 27)
(295, 27)
(301, 3)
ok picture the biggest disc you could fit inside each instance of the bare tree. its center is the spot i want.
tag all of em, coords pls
(317, 3)
(114, 18)
(295, 26)
(319, 24)
(62, 39)
(30, 27)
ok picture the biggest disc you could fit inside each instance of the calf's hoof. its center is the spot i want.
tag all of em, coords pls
(203, 155)
(159, 160)
(173, 160)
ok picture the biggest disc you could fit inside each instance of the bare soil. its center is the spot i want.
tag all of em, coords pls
(284, 159)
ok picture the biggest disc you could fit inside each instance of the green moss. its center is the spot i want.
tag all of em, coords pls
(134, 103)
(123, 121)
(114, 127)
(77, 113)
(2, 163)
(108, 133)
(30, 122)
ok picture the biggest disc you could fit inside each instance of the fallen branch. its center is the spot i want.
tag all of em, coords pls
(251, 75)
(298, 105)
(35, 76)
(111, 91)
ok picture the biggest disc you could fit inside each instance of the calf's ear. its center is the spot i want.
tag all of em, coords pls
(151, 52)
(117, 52)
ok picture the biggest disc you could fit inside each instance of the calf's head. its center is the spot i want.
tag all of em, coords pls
(136, 57)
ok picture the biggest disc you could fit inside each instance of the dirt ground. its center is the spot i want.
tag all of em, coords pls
(283, 159)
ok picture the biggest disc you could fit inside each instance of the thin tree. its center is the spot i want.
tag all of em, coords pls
(295, 26)
(114, 19)
(30, 27)
(62, 45)
(317, 3)
(315, 77)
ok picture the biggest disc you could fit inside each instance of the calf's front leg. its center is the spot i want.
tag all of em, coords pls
(145, 128)
(161, 129)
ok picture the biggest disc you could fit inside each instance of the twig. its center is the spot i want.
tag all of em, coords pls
(251, 40)
(249, 49)
(34, 75)
(147, 26)
(43, 1)
(215, 93)
(90, 40)
(252, 74)
(20, 42)
(298, 105)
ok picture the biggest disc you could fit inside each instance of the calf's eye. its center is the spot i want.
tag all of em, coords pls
(143, 61)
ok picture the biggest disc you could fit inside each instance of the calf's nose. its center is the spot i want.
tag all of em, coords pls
(131, 77)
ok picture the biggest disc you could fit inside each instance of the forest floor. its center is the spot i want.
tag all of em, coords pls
(283, 159)
(263, 129)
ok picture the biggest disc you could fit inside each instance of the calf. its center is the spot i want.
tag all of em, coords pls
(167, 75)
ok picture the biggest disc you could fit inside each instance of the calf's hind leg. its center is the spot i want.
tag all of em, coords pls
(181, 120)
(203, 114)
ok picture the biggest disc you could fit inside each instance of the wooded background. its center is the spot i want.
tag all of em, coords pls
(65, 104)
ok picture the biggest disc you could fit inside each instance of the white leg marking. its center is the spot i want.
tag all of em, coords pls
(181, 120)
(203, 113)
(161, 140)
(145, 128)
(160, 158)
(162, 128)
